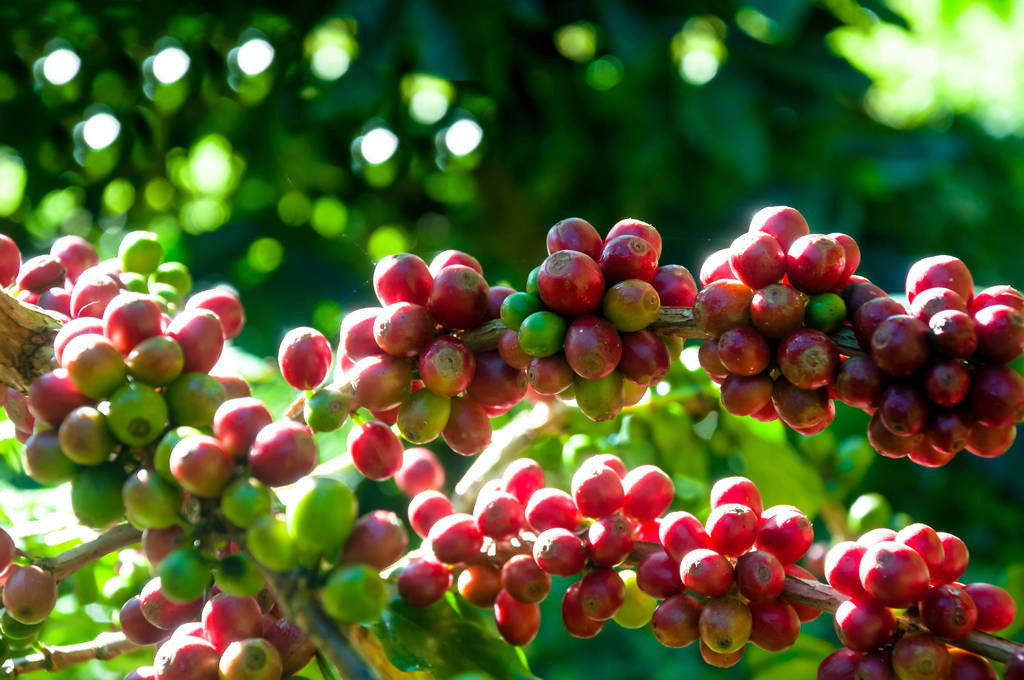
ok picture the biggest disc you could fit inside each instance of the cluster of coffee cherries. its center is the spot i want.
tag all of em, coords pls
(934, 380)
(916, 569)
(718, 582)
(579, 331)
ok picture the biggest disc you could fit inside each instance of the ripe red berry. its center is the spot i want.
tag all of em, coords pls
(947, 382)
(967, 666)
(815, 263)
(574, 233)
(446, 366)
(223, 302)
(808, 358)
(378, 539)
(839, 665)
(859, 382)
(29, 594)
(129, 319)
(423, 582)
(953, 334)
(495, 383)
(571, 283)
(426, 508)
(996, 608)
(522, 477)
(575, 621)
(842, 569)
(524, 580)
(402, 278)
(900, 345)
(304, 358)
(92, 293)
(549, 375)
(455, 538)
(597, 490)
(875, 665)
(512, 353)
(518, 623)
(775, 625)
(782, 222)
(602, 593)
(610, 540)
(681, 533)
(458, 298)
(592, 347)
(420, 471)
(648, 493)
(186, 657)
(852, 252)
(948, 611)
(658, 575)
(777, 310)
(447, 258)
(634, 227)
(998, 295)
(743, 351)
(706, 572)
(228, 618)
(746, 395)
(801, 408)
(955, 559)
(551, 508)
(284, 452)
(381, 382)
(716, 267)
(40, 273)
(375, 449)
(163, 612)
(558, 551)
(760, 576)
(479, 585)
(894, 574)
(722, 305)
(1000, 333)
(135, 626)
(930, 302)
(236, 423)
(990, 442)
(201, 336)
(903, 409)
(357, 340)
(940, 271)
(864, 625)
(201, 466)
(403, 329)
(500, 515)
(997, 396)
(675, 286)
(468, 431)
(731, 529)
(627, 257)
(645, 358)
(10, 261)
(785, 532)
(495, 296)
(757, 259)
(926, 543)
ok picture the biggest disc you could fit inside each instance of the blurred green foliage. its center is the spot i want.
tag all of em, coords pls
(285, 151)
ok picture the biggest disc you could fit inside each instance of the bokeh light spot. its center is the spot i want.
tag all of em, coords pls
(13, 178)
(378, 145)
(170, 65)
(100, 131)
(329, 62)
(577, 42)
(463, 137)
(387, 240)
(255, 56)
(265, 255)
(61, 66)
(294, 208)
(330, 216)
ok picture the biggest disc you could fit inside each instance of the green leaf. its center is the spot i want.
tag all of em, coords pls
(445, 639)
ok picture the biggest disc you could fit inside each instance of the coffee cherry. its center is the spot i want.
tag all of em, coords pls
(156, 361)
(378, 539)
(1000, 333)
(722, 305)
(52, 396)
(469, 428)
(228, 618)
(597, 490)
(930, 302)
(990, 442)
(44, 460)
(706, 572)
(252, 659)
(839, 665)
(381, 382)
(10, 261)
(777, 310)
(725, 625)
(511, 352)
(129, 319)
(967, 666)
(894, 574)
(783, 223)
(162, 612)
(446, 366)
(875, 665)
(903, 409)
(743, 351)
(647, 493)
(852, 252)
(864, 625)
(194, 398)
(201, 337)
(186, 657)
(135, 626)
(800, 408)
(634, 227)
(775, 625)
(602, 593)
(402, 278)
(940, 271)
(138, 414)
(707, 356)
(645, 359)
(997, 396)
(631, 305)
(542, 334)
(675, 622)
(447, 258)
(496, 295)
(294, 646)
(571, 283)
(495, 383)
(225, 304)
(638, 607)
(41, 272)
(455, 538)
(953, 334)
(681, 533)
(592, 347)
(426, 508)
(815, 263)
(842, 569)
(600, 399)
(150, 502)
(517, 307)
(29, 594)
(658, 575)
(713, 658)
(919, 656)
(870, 316)
(549, 375)
(731, 529)
(996, 608)
(900, 345)
(96, 495)
(948, 611)
(926, 543)
(524, 580)
(458, 297)
(627, 257)
(355, 593)
(825, 312)
(551, 508)
(757, 259)
(84, 436)
(271, 544)
(499, 516)
(716, 267)
(947, 383)
(420, 471)
(244, 501)
(1014, 667)
(675, 286)
(558, 551)
(746, 395)
(237, 422)
(760, 576)
(94, 365)
(998, 295)
(610, 539)
(422, 416)
(784, 532)
(376, 451)
(92, 293)
(574, 233)
(808, 358)
(403, 329)
(859, 382)
(736, 490)
(575, 621)
(479, 585)
(284, 452)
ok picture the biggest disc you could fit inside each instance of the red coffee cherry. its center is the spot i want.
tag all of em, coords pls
(423, 582)
(592, 347)
(479, 585)
(675, 286)
(785, 532)
(990, 442)
(610, 539)
(304, 357)
(30, 593)
(870, 315)
(404, 329)
(706, 572)
(839, 665)
(499, 516)
(524, 580)
(420, 471)
(997, 396)
(682, 533)
(575, 621)
(92, 293)
(571, 283)
(645, 358)
(996, 608)
(785, 224)
(550, 375)
(903, 409)
(746, 395)
(468, 431)
(634, 227)
(455, 538)
(201, 336)
(998, 295)
(743, 351)
(558, 551)
(551, 508)
(815, 263)
(852, 252)
(284, 452)
(658, 575)
(757, 259)
(375, 449)
(597, 490)
(458, 298)
(934, 300)
(225, 304)
(10, 261)
(1000, 333)
(357, 340)
(186, 657)
(864, 625)
(447, 258)
(574, 233)
(381, 382)
(129, 319)
(495, 296)
(940, 271)
(955, 558)
(707, 355)
(378, 539)
(228, 618)
(953, 334)
(801, 408)
(676, 621)
(947, 382)
(926, 543)
(135, 626)
(402, 278)
(237, 422)
(446, 366)
(426, 508)
(722, 305)
(760, 576)
(716, 267)
(731, 529)
(523, 477)
(495, 383)
(894, 574)
(860, 383)
(948, 611)
(842, 569)
(900, 345)
(602, 593)
(919, 655)
(967, 666)
(775, 625)
(627, 257)
(648, 493)
(40, 273)
(777, 310)
(808, 358)
(52, 396)
(736, 490)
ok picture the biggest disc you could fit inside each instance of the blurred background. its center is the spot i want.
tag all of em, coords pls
(285, 152)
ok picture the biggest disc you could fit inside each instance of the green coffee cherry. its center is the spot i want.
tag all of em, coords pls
(193, 399)
(270, 543)
(140, 252)
(173, 274)
(96, 495)
(238, 575)
(600, 399)
(826, 312)
(638, 607)
(323, 515)
(327, 409)
(870, 511)
(162, 454)
(355, 594)
(542, 334)
(138, 414)
(150, 501)
(423, 415)
(517, 307)
(532, 287)
(244, 501)
(184, 575)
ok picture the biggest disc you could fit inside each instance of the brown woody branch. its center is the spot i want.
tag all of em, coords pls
(69, 561)
(26, 342)
(106, 646)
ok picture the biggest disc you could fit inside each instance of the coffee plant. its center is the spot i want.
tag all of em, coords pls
(244, 554)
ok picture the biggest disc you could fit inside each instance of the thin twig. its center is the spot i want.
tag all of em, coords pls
(69, 561)
(106, 646)
(26, 342)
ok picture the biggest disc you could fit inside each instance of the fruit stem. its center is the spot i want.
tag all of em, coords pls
(69, 561)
